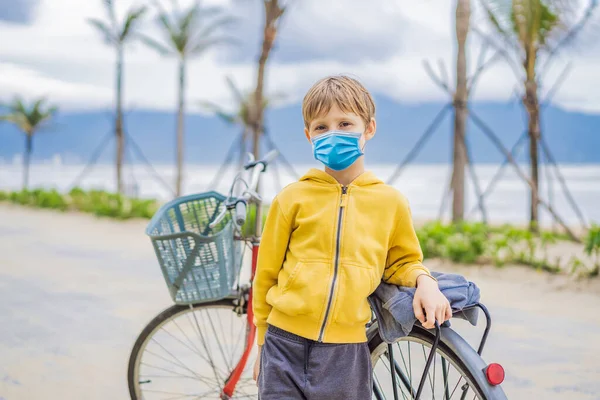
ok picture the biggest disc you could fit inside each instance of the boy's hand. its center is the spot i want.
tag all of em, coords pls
(428, 297)
(257, 366)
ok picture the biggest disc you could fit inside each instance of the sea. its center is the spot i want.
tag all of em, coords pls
(425, 186)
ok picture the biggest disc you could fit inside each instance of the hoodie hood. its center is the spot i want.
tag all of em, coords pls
(318, 176)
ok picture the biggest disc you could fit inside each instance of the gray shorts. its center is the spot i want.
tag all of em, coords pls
(292, 367)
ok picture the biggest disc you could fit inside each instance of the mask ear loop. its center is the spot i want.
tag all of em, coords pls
(364, 145)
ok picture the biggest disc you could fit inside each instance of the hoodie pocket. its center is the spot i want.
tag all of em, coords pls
(356, 283)
(305, 290)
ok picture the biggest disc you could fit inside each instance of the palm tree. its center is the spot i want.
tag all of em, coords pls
(29, 120)
(188, 33)
(118, 35)
(240, 116)
(532, 29)
(463, 14)
(273, 12)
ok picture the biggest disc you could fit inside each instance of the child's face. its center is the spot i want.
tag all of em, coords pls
(338, 120)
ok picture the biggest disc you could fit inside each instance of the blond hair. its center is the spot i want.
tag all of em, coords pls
(347, 93)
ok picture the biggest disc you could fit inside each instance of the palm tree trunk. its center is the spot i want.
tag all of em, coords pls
(120, 138)
(272, 13)
(243, 147)
(532, 107)
(180, 127)
(27, 158)
(268, 38)
(463, 14)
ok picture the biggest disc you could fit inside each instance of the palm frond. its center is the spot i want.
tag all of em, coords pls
(187, 20)
(203, 45)
(110, 10)
(31, 119)
(214, 108)
(172, 33)
(159, 47)
(13, 118)
(499, 13)
(104, 29)
(239, 96)
(163, 12)
(214, 26)
(577, 27)
(132, 17)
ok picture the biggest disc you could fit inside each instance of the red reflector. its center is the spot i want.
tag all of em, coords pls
(494, 374)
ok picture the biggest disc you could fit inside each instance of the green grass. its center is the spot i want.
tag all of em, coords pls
(96, 202)
(471, 243)
(467, 242)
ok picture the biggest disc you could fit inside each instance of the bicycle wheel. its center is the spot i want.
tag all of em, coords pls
(448, 377)
(188, 353)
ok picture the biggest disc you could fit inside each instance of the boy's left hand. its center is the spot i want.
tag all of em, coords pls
(428, 297)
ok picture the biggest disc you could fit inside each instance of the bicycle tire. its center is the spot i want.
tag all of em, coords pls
(153, 326)
(454, 348)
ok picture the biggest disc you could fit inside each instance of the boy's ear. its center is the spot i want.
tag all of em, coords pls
(371, 129)
(306, 134)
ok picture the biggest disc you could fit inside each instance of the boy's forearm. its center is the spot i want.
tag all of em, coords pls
(405, 257)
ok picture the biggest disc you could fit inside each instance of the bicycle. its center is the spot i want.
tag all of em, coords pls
(206, 339)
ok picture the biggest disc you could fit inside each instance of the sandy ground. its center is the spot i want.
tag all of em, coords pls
(75, 291)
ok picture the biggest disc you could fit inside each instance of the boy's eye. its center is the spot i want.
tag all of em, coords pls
(345, 124)
(320, 127)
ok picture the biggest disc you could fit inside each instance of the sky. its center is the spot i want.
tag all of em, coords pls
(48, 49)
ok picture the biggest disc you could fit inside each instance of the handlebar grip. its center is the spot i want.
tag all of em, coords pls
(271, 156)
(240, 213)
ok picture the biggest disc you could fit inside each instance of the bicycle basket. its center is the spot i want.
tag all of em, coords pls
(197, 262)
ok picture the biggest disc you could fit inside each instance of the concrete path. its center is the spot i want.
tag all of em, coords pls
(75, 291)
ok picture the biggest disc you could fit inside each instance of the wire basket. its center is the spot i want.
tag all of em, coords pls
(197, 262)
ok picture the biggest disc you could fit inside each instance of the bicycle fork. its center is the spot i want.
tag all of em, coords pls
(234, 377)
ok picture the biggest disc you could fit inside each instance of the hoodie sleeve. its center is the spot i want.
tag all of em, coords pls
(271, 254)
(405, 259)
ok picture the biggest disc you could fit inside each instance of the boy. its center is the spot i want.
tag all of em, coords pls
(328, 241)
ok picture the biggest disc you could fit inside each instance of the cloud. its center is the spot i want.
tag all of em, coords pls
(18, 11)
(384, 45)
(31, 83)
(349, 31)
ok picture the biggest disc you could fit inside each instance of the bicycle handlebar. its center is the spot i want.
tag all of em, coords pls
(240, 213)
(239, 203)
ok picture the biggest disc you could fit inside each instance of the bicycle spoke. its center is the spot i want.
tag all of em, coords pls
(239, 338)
(434, 362)
(230, 359)
(188, 338)
(159, 368)
(376, 382)
(410, 364)
(445, 373)
(168, 377)
(196, 376)
(180, 341)
(181, 364)
(454, 390)
(229, 367)
(428, 374)
(404, 361)
(201, 337)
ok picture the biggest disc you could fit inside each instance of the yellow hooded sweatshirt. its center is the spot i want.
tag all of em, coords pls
(325, 248)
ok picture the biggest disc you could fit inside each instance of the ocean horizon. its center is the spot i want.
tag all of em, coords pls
(423, 185)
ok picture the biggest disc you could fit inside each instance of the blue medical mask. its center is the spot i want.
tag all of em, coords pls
(337, 149)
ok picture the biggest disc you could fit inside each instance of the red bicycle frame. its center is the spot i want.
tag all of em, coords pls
(236, 374)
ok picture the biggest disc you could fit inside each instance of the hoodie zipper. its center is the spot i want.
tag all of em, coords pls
(337, 261)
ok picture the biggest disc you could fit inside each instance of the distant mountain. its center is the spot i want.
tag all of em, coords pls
(573, 137)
